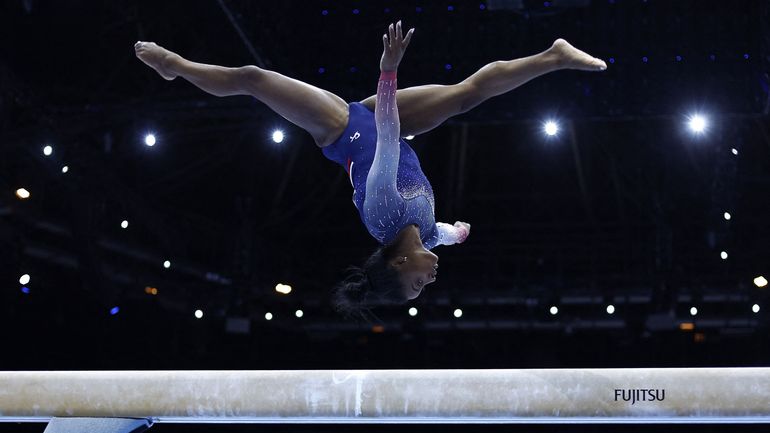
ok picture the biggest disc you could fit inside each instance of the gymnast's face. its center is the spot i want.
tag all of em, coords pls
(416, 269)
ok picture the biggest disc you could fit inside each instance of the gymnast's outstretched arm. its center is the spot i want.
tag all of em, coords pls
(383, 203)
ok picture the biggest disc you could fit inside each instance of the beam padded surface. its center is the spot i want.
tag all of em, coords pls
(590, 395)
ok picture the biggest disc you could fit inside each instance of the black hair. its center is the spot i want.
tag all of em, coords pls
(375, 283)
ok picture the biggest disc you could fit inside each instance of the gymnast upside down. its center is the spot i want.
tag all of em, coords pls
(391, 193)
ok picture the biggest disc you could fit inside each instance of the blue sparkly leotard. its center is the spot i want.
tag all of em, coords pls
(390, 190)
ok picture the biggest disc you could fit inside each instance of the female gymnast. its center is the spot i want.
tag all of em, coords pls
(391, 193)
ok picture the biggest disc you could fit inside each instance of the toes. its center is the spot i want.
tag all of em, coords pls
(600, 64)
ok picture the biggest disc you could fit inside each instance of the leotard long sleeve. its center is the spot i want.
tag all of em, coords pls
(390, 189)
(384, 205)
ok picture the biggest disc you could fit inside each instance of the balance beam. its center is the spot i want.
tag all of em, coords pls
(702, 395)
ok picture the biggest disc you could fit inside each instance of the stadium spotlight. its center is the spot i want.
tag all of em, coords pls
(150, 140)
(283, 289)
(278, 136)
(22, 193)
(551, 128)
(697, 123)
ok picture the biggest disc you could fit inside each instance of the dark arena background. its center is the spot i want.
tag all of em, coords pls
(635, 236)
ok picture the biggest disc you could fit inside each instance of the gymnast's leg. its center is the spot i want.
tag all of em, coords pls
(321, 113)
(423, 108)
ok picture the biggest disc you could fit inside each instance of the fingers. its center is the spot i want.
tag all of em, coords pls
(396, 33)
(408, 37)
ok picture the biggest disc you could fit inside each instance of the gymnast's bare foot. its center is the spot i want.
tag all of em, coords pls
(569, 57)
(157, 58)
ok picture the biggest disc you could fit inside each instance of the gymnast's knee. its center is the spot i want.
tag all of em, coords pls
(468, 97)
(250, 75)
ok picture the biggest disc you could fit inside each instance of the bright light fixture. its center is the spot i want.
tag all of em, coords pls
(284, 289)
(278, 136)
(22, 193)
(697, 123)
(149, 140)
(551, 128)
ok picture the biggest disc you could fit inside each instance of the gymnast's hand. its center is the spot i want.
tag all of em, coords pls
(394, 46)
(466, 226)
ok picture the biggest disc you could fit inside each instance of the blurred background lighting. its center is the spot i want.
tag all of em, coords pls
(24, 279)
(458, 313)
(198, 314)
(299, 313)
(268, 316)
(47, 150)
(284, 289)
(760, 281)
(550, 128)
(22, 193)
(697, 123)
(554, 310)
(278, 136)
(412, 311)
(149, 140)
